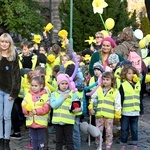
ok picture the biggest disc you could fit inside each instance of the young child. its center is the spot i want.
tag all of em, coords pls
(130, 100)
(36, 108)
(63, 119)
(106, 106)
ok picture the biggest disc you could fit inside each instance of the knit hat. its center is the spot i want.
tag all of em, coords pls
(62, 77)
(109, 39)
(125, 62)
(113, 59)
(98, 66)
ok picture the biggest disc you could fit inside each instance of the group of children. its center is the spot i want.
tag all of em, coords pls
(52, 87)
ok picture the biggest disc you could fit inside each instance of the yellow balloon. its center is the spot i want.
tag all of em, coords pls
(105, 33)
(142, 43)
(109, 23)
(148, 37)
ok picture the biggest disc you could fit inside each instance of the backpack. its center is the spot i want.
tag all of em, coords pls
(134, 57)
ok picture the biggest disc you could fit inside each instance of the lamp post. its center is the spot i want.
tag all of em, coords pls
(71, 22)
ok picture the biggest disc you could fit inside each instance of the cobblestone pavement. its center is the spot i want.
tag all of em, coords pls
(144, 135)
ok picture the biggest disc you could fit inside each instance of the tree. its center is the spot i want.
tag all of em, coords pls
(147, 4)
(86, 23)
(145, 25)
(21, 17)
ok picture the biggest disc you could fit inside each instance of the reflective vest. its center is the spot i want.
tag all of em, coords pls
(62, 114)
(117, 75)
(38, 119)
(34, 61)
(106, 103)
(80, 96)
(92, 81)
(131, 97)
(21, 93)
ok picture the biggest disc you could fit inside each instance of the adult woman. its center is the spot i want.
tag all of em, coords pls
(129, 41)
(9, 84)
(107, 48)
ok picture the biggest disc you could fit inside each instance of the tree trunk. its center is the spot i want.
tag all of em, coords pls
(147, 4)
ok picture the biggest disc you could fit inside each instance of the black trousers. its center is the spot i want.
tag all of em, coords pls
(17, 115)
(64, 133)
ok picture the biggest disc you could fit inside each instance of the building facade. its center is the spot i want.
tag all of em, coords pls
(52, 15)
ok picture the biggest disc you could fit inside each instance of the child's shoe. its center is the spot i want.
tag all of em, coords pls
(29, 146)
(123, 147)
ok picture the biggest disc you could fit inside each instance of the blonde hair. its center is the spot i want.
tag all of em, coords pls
(11, 50)
(100, 34)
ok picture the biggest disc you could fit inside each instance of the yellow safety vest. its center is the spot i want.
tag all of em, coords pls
(92, 81)
(106, 103)
(34, 61)
(116, 75)
(21, 90)
(80, 96)
(39, 119)
(131, 97)
(62, 114)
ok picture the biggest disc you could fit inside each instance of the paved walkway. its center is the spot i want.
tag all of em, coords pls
(144, 135)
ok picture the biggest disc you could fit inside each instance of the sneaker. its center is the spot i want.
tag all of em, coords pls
(16, 136)
(29, 146)
(135, 147)
(123, 147)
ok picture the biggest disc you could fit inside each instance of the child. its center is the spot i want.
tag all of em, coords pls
(36, 108)
(106, 107)
(130, 100)
(63, 119)
(27, 60)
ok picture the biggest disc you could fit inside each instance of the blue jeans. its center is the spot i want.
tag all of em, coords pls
(5, 114)
(76, 134)
(132, 122)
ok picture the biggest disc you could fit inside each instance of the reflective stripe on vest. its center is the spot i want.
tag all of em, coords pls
(131, 97)
(41, 120)
(62, 114)
(106, 103)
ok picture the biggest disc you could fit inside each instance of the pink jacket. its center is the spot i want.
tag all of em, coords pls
(39, 111)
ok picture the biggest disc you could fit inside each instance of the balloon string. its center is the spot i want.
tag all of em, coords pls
(103, 22)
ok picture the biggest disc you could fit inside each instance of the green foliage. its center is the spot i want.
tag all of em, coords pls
(145, 25)
(86, 23)
(21, 17)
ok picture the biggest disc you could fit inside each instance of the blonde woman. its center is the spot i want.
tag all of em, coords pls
(9, 84)
(108, 45)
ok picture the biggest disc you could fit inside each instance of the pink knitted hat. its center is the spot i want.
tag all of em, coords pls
(62, 77)
(109, 39)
